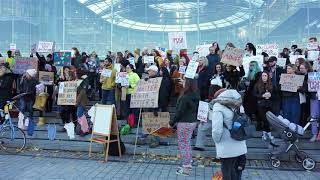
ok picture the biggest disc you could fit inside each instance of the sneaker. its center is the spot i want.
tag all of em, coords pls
(183, 171)
(198, 149)
(264, 136)
(270, 136)
(313, 138)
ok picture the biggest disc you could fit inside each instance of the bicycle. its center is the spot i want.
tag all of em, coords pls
(12, 138)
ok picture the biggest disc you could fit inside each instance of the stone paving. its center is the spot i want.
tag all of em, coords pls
(25, 167)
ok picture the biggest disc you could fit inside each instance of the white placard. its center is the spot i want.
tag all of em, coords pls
(177, 40)
(182, 69)
(203, 110)
(122, 78)
(312, 46)
(106, 73)
(313, 55)
(270, 49)
(148, 59)
(191, 69)
(61, 87)
(281, 62)
(293, 58)
(45, 46)
(132, 61)
(117, 67)
(13, 46)
(203, 49)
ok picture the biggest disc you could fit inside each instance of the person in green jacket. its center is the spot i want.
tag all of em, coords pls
(107, 79)
(186, 121)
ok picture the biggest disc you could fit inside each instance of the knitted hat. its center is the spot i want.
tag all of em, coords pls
(32, 72)
(137, 51)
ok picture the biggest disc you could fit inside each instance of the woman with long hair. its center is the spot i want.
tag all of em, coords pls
(263, 93)
(233, 76)
(203, 77)
(250, 50)
(186, 121)
(218, 76)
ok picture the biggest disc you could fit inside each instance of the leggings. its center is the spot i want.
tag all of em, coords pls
(185, 131)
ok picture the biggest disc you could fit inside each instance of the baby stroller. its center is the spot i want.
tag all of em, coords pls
(289, 133)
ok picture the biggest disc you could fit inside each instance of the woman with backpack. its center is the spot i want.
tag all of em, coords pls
(230, 151)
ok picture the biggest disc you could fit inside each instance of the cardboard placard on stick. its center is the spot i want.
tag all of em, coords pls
(232, 56)
(147, 93)
(203, 110)
(46, 78)
(313, 81)
(151, 123)
(67, 94)
(22, 64)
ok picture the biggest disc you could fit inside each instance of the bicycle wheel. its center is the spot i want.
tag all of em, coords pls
(13, 139)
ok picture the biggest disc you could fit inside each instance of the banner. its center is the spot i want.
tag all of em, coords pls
(122, 78)
(313, 81)
(191, 69)
(291, 82)
(203, 50)
(270, 49)
(45, 46)
(177, 40)
(46, 78)
(147, 93)
(148, 59)
(62, 59)
(67, 94)
(151, 123)
(22, 64)
(203, 110)
(246, 62)
(232, 56)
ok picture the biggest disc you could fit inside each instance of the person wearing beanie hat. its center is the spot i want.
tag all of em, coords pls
(28, 86)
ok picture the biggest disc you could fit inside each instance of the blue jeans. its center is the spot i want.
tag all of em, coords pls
(27, 106)
(291, 108)
(80, 111)
(108, 95)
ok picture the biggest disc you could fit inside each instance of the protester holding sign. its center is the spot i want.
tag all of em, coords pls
(75, 57)
(186, 121)
(290, 101)
(10, 59)
(203, 73)
(213, 57)
(250, 50)
(233, 76)
(6, 81)
(178, 78)
(107, 79)
(165, 89)
(218, 76)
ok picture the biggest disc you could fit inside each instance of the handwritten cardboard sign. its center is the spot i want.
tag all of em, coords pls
(191, 69)
(148, 59)
(313, 81)
(313, 55)
(270, 49)
(182, 69)
(177, 40)
(291, 82)
(203, 110)
(151, 123)
(22, 64)
(45, 46)
(147, 93)
(46, 78)
(313, 46)
(122, 78)
(67, 94)
(232, 56)
(203, 50)
(62, 59)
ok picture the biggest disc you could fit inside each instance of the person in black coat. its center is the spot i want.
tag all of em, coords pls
(165, 89)
(203, 73)
(6, 81)
(233, 76)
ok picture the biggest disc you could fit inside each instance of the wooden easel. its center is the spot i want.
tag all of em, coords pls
(104, 127)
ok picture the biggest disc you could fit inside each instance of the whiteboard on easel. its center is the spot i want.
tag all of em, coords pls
(102, 119)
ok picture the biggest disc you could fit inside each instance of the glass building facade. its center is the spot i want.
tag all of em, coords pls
(117, 25)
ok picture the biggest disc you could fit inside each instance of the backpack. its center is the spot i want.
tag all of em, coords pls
(242, 129)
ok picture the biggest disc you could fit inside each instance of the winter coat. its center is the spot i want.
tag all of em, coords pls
(139, 66)
(82, 98)
(165, 89)
(203, 82)
(29, 86)
(108, 83)
(76, 61)
(226, 147)
(249, 100)
(213, 59)
(275, 81)
(6, 81)
(186, 108)
(233, 77)
(133, 80)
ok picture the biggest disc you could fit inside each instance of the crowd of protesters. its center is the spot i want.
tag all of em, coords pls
(259, 91)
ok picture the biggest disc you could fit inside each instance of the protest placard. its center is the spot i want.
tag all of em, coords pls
(62, 59)
(313, 81)
(281, 62)
(293, 58)
(191, 69)
(246, 62)
(34, 48)
(67, 94)
(313, 46)
(291, 82)
(232, 56)
(182, 69)
(203, 110)
(13, 46)
(22, 64)
(151, 123)
(313, 55)
(117, 67)
(147, 93)
(148, 59)
(203, 50)
(46, 78)
(45, 46)
(177, 40)
(106, 73)
(122, 78)
(270, 49)
(132, 61)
